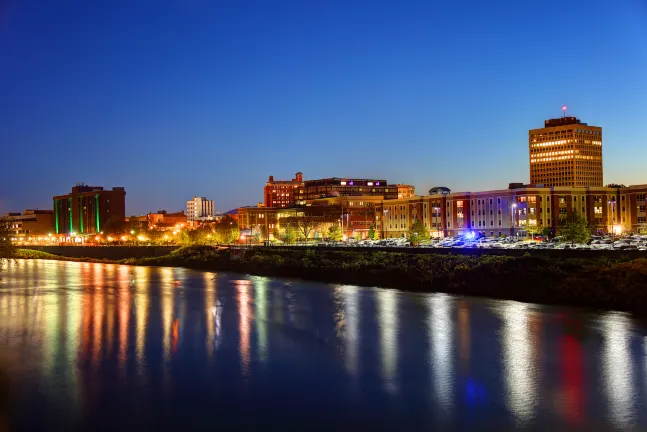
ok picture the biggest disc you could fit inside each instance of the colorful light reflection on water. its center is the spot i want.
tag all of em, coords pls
(125, 348)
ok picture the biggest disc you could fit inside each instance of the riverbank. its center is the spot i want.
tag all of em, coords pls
(599, 283)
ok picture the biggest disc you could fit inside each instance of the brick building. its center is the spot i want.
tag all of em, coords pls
(566, 152)
(280, 193)
(88, 208)
(30, 223)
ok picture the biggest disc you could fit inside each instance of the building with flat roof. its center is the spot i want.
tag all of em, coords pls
(88, 208)
(199, 209)
(566, 153)
(520, 210)
(280, 193)
(341, 186)
(166, 221)
(30, 223)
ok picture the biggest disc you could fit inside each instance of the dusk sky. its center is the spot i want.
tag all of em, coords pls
(177, 98)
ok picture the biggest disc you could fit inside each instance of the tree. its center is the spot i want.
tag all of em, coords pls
(114, 225)
(334, 233)
(226, 230)
(546, 232)
(6, 247)
(574, 228)
(418, 233)
(264, 233)
(305, 225)
(289, 234)
(371, 232)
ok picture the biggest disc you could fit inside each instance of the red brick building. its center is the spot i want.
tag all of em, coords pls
(87, 208)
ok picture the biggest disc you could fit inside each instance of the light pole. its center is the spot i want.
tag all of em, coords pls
(613, 217)
(514, 210)
(385, 213)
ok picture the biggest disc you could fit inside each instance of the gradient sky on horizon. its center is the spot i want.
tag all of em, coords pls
(177, 98)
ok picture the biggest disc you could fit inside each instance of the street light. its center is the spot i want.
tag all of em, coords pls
(514, 210)
(386, 211)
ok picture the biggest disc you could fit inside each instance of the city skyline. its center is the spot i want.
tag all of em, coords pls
(190, 100)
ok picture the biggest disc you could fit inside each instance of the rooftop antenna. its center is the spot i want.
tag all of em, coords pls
(564, 111)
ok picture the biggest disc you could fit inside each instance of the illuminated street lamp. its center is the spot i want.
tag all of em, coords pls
(514, 210)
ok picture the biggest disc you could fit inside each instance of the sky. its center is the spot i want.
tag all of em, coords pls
(176, 98)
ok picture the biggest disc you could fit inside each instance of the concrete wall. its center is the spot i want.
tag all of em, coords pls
(105, 252)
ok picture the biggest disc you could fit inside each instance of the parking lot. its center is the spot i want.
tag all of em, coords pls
(636, 242)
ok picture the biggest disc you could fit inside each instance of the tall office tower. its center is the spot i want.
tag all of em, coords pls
(565, 152)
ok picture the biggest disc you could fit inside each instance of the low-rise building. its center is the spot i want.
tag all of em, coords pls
(166, 221)
(519, 210)
(31, 223)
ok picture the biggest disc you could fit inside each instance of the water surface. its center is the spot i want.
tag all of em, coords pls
(110, 347)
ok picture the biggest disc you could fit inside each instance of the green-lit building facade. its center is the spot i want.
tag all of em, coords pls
(88, 208)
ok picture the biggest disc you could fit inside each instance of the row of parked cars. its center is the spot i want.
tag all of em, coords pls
(636, 242)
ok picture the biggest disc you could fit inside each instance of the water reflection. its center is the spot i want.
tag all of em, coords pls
(520, 362)
(387, 309)
(244, 316)
(166, 298)
(83, 340)
(618, 369)
(348, 325)
(260, 318)
(441, 333)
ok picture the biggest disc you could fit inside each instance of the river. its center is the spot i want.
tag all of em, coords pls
(112, 347)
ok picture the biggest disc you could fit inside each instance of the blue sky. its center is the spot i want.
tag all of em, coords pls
(205, 97)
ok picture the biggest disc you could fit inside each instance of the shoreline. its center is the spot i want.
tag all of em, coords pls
(603, 284)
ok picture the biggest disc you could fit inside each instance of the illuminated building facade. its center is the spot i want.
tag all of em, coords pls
(88, 208)
(31, 223)
(165, 221)
(566, 153)
(199, 208)
(280, 193)
(330, 187)
(520, 211)
(406, 191)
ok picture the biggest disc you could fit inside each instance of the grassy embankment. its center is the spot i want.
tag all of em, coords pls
(601, 283)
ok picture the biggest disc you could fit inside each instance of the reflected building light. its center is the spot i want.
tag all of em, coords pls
(110, 325)
(260, 318)
(520, 369)
(97, 327)
(51, 337)
(210, 312)
(349, 319)
(75, 314)
(387, 301)
(464, 333)
(124, 318)
(244, 318)
(618, 370)
(141, 319)
(166, 299)
(175, 335)
(572, 395)
(441, 336)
